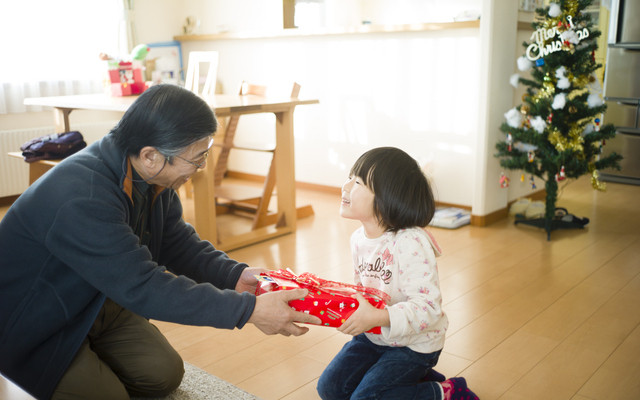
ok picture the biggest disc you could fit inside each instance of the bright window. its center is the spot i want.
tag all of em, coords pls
(44, 40)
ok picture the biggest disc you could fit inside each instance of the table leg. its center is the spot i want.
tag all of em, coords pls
(285, 171)
(204, 205)
(61, 119)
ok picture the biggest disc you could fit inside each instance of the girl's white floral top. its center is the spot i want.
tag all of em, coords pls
(403, 264)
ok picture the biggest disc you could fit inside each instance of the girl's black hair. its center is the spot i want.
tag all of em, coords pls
(167, 117)
(403, 197)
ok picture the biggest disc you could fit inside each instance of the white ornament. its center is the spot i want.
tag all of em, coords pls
(563, 81)
(515, 78)
(554, 10)
(588, 129)
(514, 118)
(524, 64)
(525, 147)
(559, 101)
(538, 124)
(594, 100)
(570, 36)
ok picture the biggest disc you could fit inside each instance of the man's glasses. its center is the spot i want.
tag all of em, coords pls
(198, 163)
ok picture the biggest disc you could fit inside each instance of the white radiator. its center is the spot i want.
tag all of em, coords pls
(14, 172)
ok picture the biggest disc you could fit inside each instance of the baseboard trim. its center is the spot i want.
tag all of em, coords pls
(443, 204)
(299, 185)
(539, 195)
(491, 218)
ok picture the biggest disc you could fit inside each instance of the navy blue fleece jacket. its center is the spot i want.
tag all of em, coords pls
(66, 245)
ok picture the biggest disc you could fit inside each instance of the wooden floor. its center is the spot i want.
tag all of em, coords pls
(530, 318)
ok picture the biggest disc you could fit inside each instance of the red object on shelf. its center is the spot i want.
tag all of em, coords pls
(332, 302)
(126, 78)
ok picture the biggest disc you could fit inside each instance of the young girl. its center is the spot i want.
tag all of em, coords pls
(388, 193)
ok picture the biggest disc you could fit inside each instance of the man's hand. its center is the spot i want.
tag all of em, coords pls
(272, 313)
(248, 281)
(364, 318)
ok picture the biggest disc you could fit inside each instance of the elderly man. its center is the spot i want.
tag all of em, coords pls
(98, 245)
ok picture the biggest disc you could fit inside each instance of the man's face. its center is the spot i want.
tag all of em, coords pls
(184, 165)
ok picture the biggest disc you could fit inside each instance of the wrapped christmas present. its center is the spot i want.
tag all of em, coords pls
(332, 302)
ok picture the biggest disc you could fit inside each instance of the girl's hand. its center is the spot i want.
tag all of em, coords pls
(364, 318)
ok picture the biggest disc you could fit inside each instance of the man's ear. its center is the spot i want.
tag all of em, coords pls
(150, 156)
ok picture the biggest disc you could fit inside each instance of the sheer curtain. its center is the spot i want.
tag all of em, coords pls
(51, 48)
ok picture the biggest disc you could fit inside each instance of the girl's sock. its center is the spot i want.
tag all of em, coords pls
(456, 389)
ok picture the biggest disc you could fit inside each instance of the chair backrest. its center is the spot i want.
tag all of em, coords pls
(193, 72)
(259, 90)
(295, 91)
(249, 88)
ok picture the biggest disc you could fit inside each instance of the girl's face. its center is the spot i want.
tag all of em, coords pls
(357, 203)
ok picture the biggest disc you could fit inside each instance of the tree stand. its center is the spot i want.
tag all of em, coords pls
(562, 220)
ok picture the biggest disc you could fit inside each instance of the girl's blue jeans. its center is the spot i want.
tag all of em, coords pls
(363, 370)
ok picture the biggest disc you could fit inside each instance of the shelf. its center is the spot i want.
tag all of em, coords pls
(363, 29)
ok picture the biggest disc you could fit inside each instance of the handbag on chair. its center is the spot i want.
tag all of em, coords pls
(53, 147)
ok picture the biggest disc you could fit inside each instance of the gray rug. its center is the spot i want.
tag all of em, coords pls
(200, 385)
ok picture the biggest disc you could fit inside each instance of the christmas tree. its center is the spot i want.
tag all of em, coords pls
(556, 132)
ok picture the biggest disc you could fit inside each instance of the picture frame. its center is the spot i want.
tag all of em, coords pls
(164, 63)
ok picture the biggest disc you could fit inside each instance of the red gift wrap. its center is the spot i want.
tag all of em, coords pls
(332, 302)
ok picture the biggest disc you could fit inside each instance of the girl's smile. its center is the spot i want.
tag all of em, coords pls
(357, 203)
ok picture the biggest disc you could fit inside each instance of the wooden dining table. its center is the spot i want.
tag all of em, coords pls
(203, 181)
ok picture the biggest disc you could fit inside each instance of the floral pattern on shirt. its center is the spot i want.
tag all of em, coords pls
(403, 265)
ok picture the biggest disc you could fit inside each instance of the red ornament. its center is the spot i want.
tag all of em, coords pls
(504, 181)
(561, 176)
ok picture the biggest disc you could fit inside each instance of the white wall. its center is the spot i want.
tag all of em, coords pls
(517, 187)
(498, 31)
(438, 95)
(161, 20)
(416, 91)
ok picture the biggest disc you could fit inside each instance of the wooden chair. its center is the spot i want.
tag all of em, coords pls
(192, 83)
(236, 197)
(193, 79)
